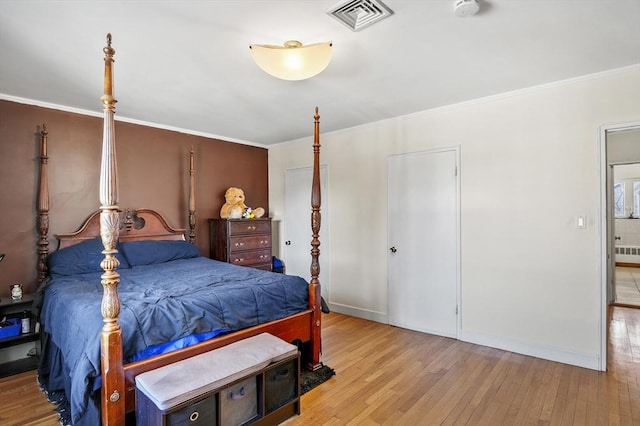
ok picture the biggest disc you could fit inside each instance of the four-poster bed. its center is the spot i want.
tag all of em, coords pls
(129, 298)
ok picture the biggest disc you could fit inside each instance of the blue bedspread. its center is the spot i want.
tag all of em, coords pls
(159, 303)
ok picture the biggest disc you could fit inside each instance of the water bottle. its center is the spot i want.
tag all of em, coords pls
(26, 322)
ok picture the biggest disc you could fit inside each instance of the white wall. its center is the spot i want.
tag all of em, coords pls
(529, 167)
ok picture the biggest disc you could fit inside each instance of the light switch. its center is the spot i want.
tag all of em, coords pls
(581, 222)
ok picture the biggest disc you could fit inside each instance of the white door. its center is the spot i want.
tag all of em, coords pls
(423, 217)
(297, 225)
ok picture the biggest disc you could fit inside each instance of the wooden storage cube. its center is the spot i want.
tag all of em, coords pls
(198, 413)
(281, 384)
(239, 403)
(225, 386)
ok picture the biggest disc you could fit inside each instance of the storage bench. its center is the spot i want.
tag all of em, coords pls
(254, 381)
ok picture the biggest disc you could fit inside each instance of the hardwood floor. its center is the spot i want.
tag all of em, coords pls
(391, 376)
(627, 286)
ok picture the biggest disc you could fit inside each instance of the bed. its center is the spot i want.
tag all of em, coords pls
(127, 293)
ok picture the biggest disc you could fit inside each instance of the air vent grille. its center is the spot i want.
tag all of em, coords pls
(629, 251)
(358, 14)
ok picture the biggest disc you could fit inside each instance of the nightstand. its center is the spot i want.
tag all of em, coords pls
(14, 309)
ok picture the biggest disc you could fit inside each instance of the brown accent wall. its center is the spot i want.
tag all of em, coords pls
(153, 169)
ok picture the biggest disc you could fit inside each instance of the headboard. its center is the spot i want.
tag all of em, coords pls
(135, 225)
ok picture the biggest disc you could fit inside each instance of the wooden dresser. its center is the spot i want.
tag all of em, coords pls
(244, 242)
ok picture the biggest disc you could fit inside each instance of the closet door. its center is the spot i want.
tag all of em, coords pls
(423, 212)
(297, 226)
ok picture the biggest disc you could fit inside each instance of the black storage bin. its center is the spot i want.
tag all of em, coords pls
(200, 413)
(281, 385)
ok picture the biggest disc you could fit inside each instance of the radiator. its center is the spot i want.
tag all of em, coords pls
(628, 254)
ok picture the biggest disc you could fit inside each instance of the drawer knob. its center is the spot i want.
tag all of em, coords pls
(239, 244)
(239, 260)
(251, 228)
(194, 416)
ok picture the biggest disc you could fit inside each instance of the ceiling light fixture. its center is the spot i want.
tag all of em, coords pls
(293, 61)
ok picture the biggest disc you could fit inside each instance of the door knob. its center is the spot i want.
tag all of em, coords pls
(393, 249)
(287, 243)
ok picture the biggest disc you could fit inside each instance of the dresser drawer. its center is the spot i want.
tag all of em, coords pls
(250, 257)
(263, 266)
(250, 242)
(249, 226)
(199, 413)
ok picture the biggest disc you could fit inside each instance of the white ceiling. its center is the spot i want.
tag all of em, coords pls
(186, 64)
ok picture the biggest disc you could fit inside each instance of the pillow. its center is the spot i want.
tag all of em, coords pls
(151, 251)
(81, 258)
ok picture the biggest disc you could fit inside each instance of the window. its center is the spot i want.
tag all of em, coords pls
(618, 199)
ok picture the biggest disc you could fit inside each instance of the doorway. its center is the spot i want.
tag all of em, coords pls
(423, 284)
(297, 226)
(619, 144)
(626, 231)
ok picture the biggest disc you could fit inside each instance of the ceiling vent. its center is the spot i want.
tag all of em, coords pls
(358, 14)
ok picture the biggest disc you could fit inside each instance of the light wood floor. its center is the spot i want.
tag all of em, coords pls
(627, 286)
(391, 376)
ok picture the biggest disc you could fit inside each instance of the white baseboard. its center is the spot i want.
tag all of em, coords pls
(358, 312)
(591, 361)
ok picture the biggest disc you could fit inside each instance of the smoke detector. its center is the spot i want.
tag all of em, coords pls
(464, 8)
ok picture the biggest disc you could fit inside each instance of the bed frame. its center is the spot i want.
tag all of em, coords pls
(118, 380)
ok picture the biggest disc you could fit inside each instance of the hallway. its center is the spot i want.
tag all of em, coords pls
(627, 286)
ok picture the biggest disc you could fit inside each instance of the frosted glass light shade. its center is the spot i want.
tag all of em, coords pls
(293, 61)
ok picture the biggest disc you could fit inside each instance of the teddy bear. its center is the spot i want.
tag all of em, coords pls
(235, 208)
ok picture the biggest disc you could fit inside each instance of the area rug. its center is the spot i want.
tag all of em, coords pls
(311, 379)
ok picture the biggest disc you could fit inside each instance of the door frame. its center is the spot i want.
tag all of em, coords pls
(605, 236)
(458, 237)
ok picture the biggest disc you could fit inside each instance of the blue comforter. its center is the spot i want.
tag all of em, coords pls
(160, 303)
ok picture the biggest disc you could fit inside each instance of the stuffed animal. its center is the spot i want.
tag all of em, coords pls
(235, 208)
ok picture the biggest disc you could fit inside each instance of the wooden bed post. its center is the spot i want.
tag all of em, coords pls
(192, 200)
(314, 284)
(43, 207)
(112, 399)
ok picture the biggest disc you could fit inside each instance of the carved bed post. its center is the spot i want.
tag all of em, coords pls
(314, 284)
(113, 404)
(192, 200)
(43, 207)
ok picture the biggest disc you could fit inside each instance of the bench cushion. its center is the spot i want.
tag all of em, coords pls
(175, 383)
